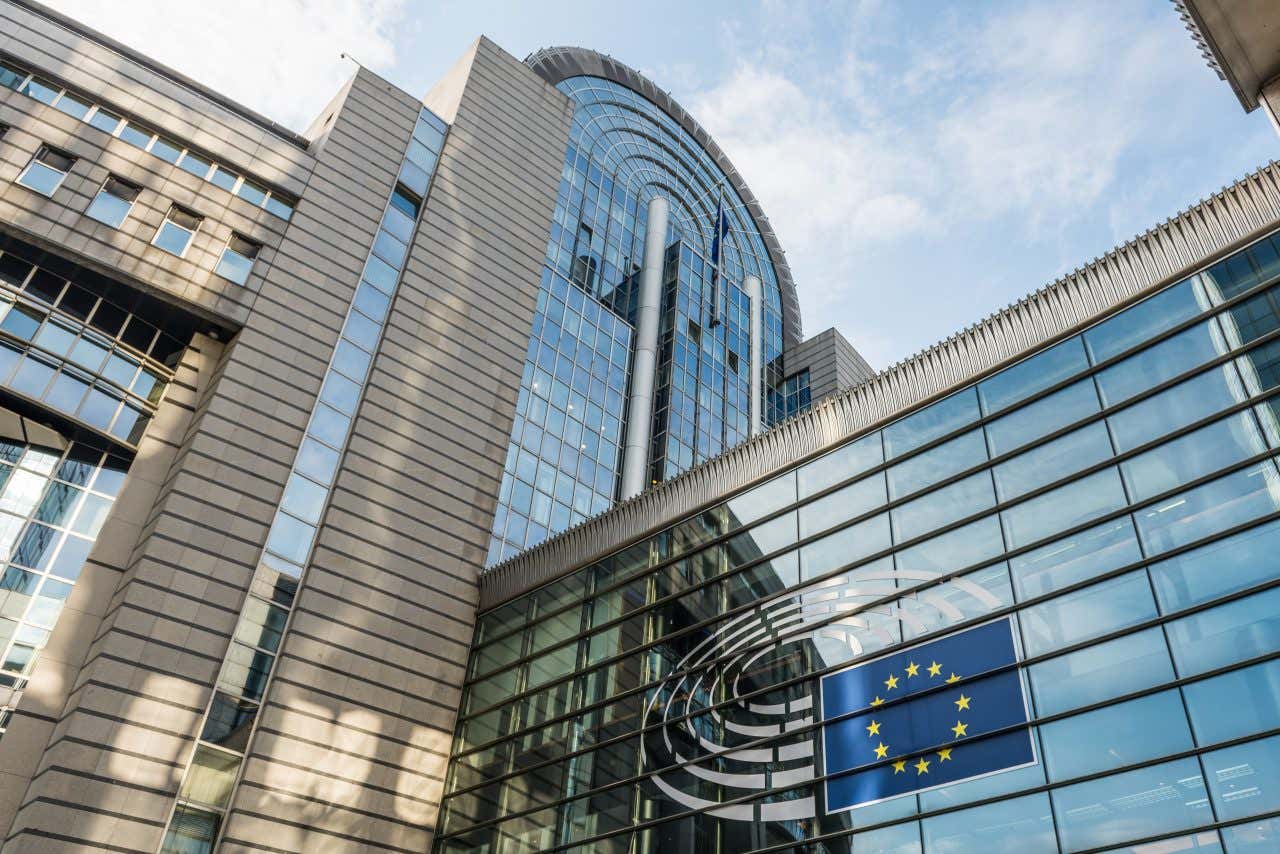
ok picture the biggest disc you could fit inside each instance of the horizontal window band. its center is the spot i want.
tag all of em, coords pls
(994, 511)
(888, 599)
(817, 726)
(1193, 753)
(996, 508)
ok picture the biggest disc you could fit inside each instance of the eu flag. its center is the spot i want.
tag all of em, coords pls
(912, 709)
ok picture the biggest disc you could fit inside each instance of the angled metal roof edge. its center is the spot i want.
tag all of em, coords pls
(1208, 48)
(555, 64)
(1172, 249)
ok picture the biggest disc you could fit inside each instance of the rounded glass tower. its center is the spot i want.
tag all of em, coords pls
(628, 144)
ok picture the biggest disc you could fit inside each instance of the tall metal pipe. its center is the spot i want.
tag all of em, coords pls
(751, 284)
(635, 456)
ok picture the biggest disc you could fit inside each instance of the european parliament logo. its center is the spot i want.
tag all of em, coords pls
(916, 718)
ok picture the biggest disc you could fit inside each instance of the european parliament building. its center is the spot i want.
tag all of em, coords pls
(454, 476)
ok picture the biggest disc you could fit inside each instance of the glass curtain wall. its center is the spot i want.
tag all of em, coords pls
(1114, 500)
(564, 458)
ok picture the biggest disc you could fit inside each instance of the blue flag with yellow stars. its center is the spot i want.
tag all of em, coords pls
(919, 715)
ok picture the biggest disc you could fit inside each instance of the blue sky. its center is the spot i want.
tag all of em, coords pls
(923, 163)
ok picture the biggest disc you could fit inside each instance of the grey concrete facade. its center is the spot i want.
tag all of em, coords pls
(832, 362)
(353, 736)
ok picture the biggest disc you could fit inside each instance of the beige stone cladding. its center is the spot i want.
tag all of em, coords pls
(109, 772)
(355, 733)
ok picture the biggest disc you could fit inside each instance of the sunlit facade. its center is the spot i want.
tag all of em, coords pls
(1113, 498)
(328, 522)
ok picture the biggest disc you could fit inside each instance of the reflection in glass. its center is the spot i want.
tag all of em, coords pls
(1214, 446)
(1235, 631)
(1161, 362)
(1146, 802)
(1211, 507)
(1238, 703)
(1115, 736)
(1244, 780)
(1083, 555)
(1096, 673)
(1095, 610)
(935, 420)
(1185, 403)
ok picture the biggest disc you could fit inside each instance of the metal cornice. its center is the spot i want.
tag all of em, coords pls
(1160, 256)
(556, 64)
(1208, 48)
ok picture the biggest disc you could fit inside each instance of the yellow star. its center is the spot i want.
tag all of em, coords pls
(882, 750)
(899, 766)
(944, 754)
(891, 682)
(952, 678)
(873, 728)
(963, 702)
(959, 729)
(935, 669)
(877, 701)
(922, 767)
(913, 669)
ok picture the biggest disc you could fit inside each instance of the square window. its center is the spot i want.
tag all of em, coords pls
(224, 179)
(11, 76)
(237, 259)
(166, 149)
(175, 233)
(279, 206)
(113, 202)
(73, 106)
(42, 90)
(252, 192)
(104, 120)
(138, 137)
(195, 164)
(46, 171)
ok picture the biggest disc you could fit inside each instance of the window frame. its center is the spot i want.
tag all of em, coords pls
(228, 248)
(46, 149)
(102, 189)
(170, 221)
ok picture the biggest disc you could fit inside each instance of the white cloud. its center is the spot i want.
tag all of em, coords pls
(938, 126)
(279, 57)
(826, 186)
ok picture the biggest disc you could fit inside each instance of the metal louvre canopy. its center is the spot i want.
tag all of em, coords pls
(556, 64)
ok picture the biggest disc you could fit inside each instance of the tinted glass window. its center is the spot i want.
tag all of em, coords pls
(931, 422)
(1035, 374)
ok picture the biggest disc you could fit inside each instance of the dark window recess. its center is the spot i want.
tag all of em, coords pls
(184, 218)
(14, 270)
(405, 201)
(244, 247)
(78, 302)
(46, 285)
(121, 189)
(55, 159)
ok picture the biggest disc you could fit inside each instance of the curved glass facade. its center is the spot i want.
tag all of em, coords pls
(564, 458)
(802, 667)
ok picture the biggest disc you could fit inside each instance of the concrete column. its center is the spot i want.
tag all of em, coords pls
(635, 456)
(755, 293)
